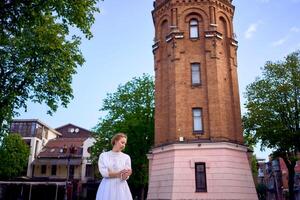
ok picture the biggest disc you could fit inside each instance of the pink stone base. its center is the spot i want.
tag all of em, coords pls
(228, 174)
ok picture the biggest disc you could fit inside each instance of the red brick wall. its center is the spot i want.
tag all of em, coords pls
(218, 94)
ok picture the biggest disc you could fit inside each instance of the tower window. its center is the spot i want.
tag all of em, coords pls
(194, 28)
(164, 30)
(196, 75)
(200, 177)
(197, 120)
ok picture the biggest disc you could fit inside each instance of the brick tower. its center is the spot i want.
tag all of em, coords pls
(199, 151)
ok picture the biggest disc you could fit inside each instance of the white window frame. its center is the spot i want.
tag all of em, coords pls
(194, 28)
(197, 120)
(196, 73)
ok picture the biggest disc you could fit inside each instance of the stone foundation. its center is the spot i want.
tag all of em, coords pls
(228, 174)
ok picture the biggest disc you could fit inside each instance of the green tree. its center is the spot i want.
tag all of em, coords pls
(261, 189)
(14, 154)
(38, 56)
(273, 111)
(130, 110)
(250, 143)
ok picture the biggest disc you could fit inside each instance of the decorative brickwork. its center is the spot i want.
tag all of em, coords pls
(215, 50)
(197, 109)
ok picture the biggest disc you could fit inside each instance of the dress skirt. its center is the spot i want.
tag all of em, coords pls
(113, 189)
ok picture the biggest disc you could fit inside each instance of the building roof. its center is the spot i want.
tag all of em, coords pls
(62, 148)
(73, 131)
(37, 121)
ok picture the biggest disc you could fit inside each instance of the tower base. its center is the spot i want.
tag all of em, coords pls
(228, 174)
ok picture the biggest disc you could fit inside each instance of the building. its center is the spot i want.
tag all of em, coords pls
(59, 158)
(56, 152)
(67, 157)
(63, 158)
(274, 176)
(273, 180)
(199, 151)
(285, 178)
(73, 131)
(36, 134)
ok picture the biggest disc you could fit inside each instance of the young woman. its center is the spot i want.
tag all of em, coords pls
(115, 168)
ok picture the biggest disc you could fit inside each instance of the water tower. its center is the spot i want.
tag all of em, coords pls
(199, 151)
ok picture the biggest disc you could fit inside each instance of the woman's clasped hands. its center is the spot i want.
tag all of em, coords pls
(125, 173)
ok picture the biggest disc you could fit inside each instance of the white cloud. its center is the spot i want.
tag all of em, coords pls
(288, 36)
(280, 42)
(251, 30)
(295, 29)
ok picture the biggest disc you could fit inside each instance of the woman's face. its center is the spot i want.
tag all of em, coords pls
(121, 143)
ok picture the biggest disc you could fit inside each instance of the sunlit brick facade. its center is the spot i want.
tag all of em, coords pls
(199, 151)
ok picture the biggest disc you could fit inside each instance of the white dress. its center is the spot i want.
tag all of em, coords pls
(113, 188)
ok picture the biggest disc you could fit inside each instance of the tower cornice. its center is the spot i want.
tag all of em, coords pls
(224, 5)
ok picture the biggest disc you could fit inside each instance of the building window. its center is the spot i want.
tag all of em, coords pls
(194, 28)
(197, 120)
(53, 170)
(196, 74)
(200, 177)
(71, 171)
(32, 131)
(43, 169)
(89, 171)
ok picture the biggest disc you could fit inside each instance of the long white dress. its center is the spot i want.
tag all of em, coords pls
(113, 188)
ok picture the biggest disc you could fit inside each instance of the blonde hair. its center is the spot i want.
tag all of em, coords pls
(117, 137)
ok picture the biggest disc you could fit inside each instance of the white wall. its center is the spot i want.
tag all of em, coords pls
(86, 155)
(35, 147)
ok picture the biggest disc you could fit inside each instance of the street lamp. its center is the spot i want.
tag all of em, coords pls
(69, 186)
(72, 151)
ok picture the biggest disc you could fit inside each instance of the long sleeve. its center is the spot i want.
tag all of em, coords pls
(102, 167)
(128, 162)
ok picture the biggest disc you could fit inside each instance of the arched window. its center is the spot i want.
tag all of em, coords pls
(194, 28)
(164, 30)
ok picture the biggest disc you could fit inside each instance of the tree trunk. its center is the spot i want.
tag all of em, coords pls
(291, 182)
(290, 164)
(142, 193)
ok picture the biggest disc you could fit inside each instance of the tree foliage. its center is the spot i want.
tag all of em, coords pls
(130, 110)
(273, 110)
(14, 154)
(261, 189)
(37, 54)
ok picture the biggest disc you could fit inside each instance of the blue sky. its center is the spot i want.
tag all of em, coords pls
(121, 49)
